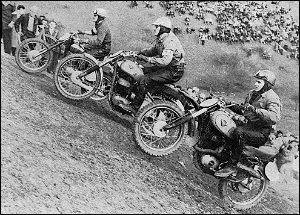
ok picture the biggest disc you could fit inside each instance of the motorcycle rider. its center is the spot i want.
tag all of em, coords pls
(100, 47)
(262, 109)
(166, 59)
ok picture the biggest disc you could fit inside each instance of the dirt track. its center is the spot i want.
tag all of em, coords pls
(60, 156)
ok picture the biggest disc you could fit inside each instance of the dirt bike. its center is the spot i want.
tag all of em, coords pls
(35, 55)
(82, 71)
(214, 124)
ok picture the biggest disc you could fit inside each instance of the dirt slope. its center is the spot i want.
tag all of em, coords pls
(60, 156)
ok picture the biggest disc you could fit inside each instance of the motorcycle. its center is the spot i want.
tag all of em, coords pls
(79, 76)
(214, 124)
(35, 55)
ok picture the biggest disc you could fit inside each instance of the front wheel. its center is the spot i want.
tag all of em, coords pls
(244, 194)
(148, 132)
(69, 84)
(28, 58)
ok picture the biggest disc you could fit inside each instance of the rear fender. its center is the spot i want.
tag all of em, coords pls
(179, 99)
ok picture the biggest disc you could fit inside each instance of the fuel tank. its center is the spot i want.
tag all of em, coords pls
(132, 69)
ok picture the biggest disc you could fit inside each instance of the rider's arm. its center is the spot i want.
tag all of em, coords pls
(165, 60)
(149, 52)
(271, 114)
(91, 32)
(101, 33)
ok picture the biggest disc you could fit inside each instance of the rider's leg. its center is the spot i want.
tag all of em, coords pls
(243, 135)
(154, 77)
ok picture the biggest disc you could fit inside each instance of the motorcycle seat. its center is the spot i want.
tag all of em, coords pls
(263, 152)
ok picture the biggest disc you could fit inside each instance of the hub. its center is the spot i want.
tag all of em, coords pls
(157, 129)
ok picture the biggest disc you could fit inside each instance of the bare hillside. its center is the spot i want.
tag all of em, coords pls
(59, 156)
(62, 156)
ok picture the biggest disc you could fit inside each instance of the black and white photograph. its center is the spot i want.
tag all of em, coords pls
(150, 107)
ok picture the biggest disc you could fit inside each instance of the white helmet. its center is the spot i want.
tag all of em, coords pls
(100, 12)
(266, 75)
(163, 21)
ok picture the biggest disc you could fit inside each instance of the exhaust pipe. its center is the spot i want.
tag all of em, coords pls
(215, 152)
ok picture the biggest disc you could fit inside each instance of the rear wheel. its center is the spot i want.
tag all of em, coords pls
(66, 77)
(27, 55)
(148, 131)
(244, 193)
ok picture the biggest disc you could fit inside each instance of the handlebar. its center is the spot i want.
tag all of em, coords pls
(114, 56)
(123, 53)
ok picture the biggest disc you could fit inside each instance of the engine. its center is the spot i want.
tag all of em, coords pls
(123, 89)
(206, 156)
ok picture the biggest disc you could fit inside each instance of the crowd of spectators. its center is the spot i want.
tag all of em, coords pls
(240, 22)
(19, 24)
(147, 4)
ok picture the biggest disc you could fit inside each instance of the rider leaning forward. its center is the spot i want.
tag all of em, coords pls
(101, 46)
(262, 109)
(166, 58)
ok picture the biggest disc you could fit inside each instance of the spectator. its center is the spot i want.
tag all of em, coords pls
(29, 23)
(133, 4)
(16, 37)
(51, 30)
(7, 9)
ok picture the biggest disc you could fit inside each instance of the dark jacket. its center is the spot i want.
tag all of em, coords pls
(7, 15)
(268, 106)
(103, 40)
(23, 21)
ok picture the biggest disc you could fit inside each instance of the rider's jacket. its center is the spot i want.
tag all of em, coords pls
(103, 40)
(268, 109)
(167, 51)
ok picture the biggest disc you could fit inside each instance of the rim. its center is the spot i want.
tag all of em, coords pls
(240, 195)
(64, 77)
(28, 52)
(150, 129)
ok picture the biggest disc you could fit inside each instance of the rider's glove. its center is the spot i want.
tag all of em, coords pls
(80, 32)
(142, 57)
(250, 108)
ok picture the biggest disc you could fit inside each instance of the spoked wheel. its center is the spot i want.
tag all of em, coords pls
(103, 90)
(28, 58)
(148, 131)
(244, 193)
(66, 77)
